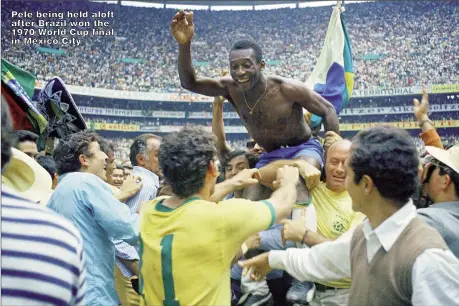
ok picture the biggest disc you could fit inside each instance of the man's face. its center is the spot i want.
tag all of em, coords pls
(254, 148)
(110, 164)
(117, 177)
(335, 170)
(127, 172)
(29, 148)
(354, 190)
(236, 165)
(244, 68)
(97, 160)
(433, 182)
(151, 159)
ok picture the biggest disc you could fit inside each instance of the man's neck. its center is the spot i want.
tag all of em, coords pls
(381, 211)
(446, 197)
(175, 201)
(257, 91)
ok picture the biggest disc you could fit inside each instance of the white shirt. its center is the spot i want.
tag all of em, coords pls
(435, 273)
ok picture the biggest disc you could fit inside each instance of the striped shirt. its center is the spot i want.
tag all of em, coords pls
(150, 185)
(42, 255)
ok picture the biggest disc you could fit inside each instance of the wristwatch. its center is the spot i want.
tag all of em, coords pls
(421, 124)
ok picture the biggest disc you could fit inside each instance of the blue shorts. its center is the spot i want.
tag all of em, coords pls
(312, 148)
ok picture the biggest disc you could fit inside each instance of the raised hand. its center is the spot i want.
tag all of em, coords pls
(421, 109)
(182, 27)
(310, 173)
(286, 175)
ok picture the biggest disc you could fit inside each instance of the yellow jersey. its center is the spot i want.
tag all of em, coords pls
(334, 217)
(186, 252)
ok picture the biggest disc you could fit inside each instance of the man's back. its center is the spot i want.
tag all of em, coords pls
(42, 256)
(186, 252)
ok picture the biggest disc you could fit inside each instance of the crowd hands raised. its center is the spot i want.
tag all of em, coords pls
(415, 41)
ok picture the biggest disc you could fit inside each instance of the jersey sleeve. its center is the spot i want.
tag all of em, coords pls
(241, 219)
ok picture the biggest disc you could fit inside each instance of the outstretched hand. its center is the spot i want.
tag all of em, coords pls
(257, 266)
(182, 27)
(421, 109)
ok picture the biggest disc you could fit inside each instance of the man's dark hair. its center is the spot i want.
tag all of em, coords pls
(24, 135)
(106, 146)
(388, 155)
(48, 163)
(8, 136)
(251, 158)
(68, 151)
(249, 44)
(184, 158)
(139, 146)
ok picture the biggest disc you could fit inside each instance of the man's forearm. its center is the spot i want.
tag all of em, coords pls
(283, 200)
(218, 127)
(311, 238)
(222, 189)
(185, 67)
(268, 173)
(331, 122)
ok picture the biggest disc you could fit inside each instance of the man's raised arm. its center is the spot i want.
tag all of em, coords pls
(313, 102)
(182, 29)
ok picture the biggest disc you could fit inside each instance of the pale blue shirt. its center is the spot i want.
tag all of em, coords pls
(150, 185)
(89, 203)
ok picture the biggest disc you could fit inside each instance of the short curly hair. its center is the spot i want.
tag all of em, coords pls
(388, 155)
(184, 158)
(69, 149)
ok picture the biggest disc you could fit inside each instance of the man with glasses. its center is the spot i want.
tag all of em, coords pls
(441, 185)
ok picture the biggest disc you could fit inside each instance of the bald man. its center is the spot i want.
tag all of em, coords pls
(334, 217)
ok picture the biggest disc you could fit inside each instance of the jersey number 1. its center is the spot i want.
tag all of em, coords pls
(166, 269)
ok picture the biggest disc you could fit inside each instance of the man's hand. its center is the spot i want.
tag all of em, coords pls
(182, 27)
(253, 242)
(293, 230)
(330, 138)
(245, 178)
(286, 175)
(421, 109)
(258, 266)
(130, 187)
(219, 99)
(310, 173)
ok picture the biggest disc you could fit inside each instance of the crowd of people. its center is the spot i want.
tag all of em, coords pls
(97, 252)
(394, 44)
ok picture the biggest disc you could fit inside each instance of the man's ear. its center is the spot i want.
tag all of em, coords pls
(140, 159)
(213, 169)
(83, 161)
(262, 64)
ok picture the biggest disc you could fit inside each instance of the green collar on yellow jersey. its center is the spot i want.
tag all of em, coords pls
(160, 207)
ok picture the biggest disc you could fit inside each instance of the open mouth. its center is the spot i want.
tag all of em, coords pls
(243, 81)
